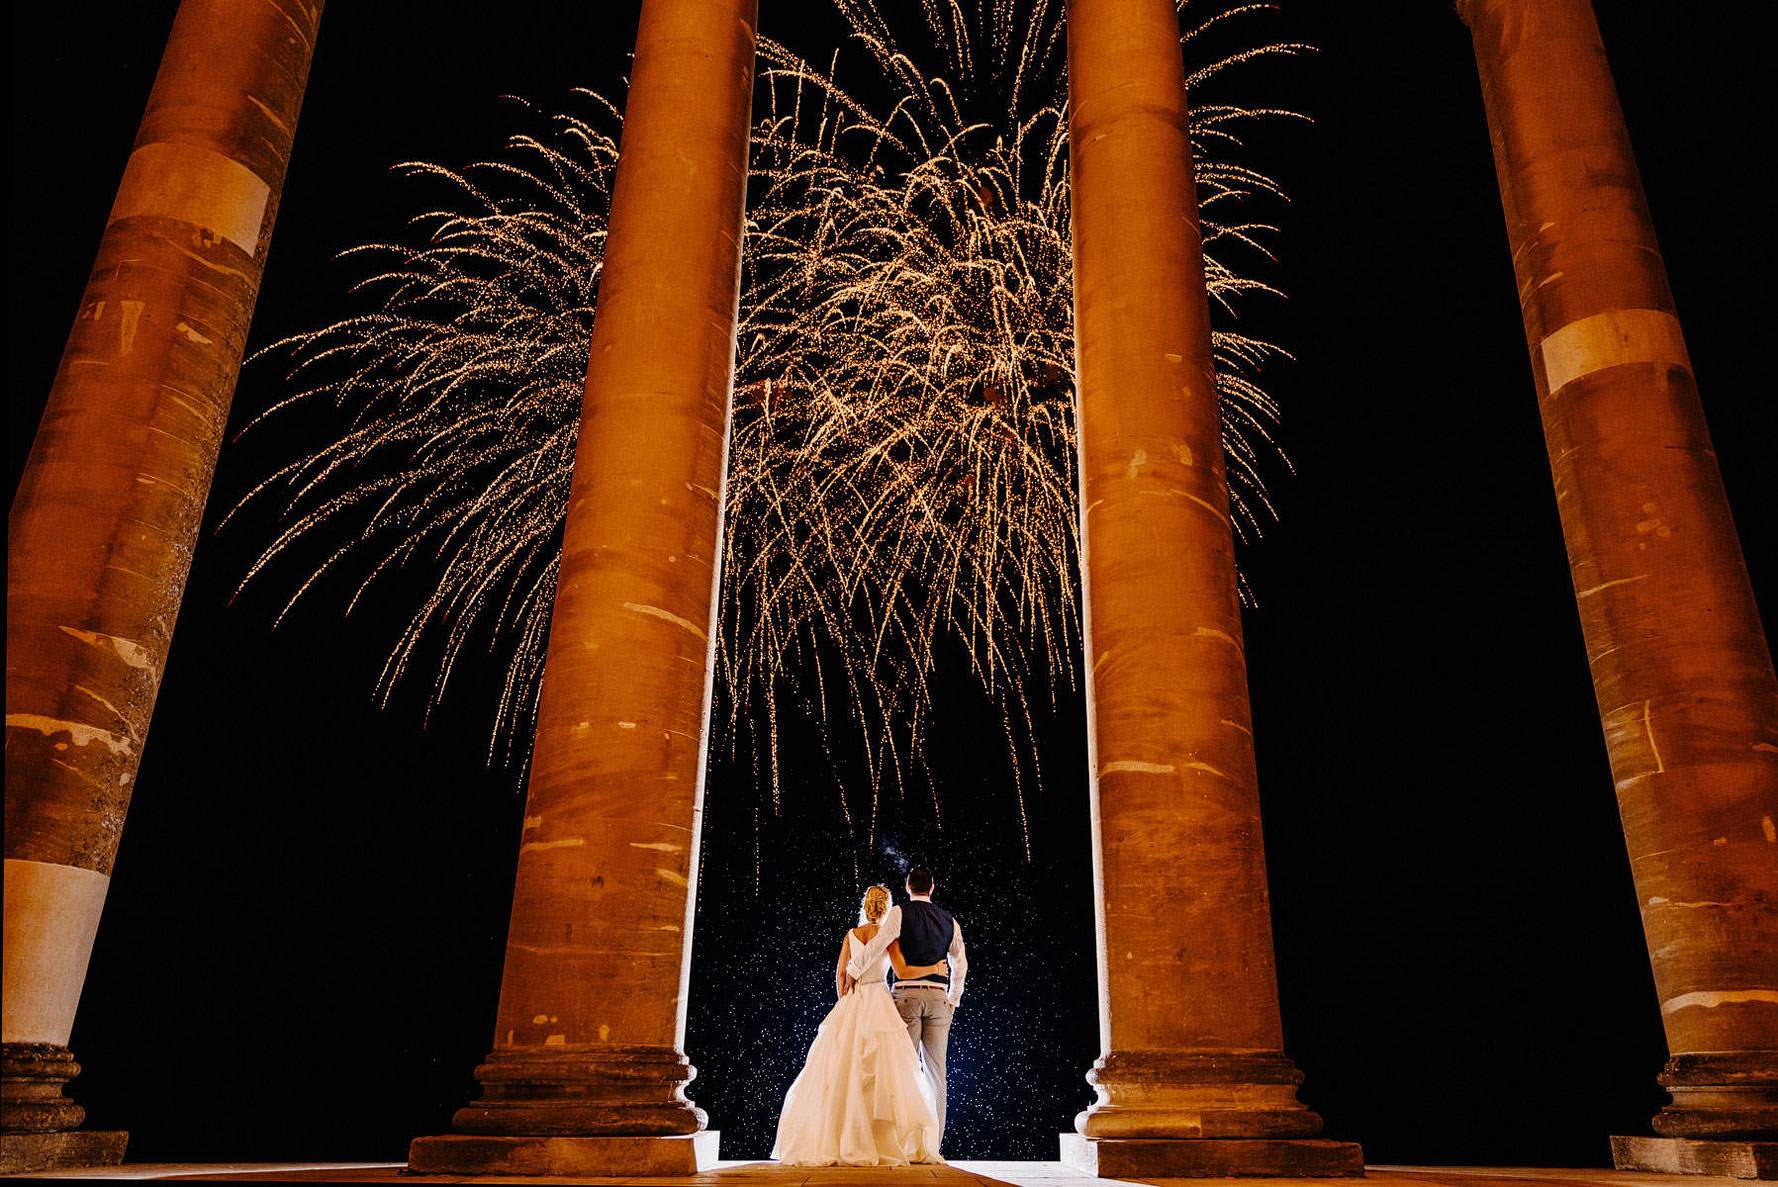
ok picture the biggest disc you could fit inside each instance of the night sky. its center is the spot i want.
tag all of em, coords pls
(300, 955)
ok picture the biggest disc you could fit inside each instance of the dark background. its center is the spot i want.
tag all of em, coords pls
(300, 955)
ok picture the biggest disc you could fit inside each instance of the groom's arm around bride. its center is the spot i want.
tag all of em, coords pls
(891, 930)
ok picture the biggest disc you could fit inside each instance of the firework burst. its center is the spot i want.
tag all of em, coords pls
(902, 459)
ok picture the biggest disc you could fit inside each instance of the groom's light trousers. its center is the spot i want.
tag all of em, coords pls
(928, 1015)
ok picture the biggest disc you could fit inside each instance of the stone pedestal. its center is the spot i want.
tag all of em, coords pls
(1202, 1115)
(563, 1157)
(71, 1149)
(1212, 1158)
(1688, 1156)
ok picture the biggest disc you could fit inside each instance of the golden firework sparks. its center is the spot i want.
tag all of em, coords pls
(901, 471)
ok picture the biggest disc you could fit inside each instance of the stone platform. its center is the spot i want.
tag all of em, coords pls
(455, 1156)
(957, 1174)
(1682, 1156)
(23, 1153)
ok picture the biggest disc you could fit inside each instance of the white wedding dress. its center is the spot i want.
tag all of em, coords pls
(861, 1099)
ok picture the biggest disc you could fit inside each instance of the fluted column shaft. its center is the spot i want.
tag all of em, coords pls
(101, 531)
(592, 996)
(1188, 997)
(1680, 664)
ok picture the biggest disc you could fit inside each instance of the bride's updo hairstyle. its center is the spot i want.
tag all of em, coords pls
(874, 906)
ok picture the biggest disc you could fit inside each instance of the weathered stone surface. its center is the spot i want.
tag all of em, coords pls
(467, 1154)
(24, 1152)
(1686, 1156)
(102, 529)
(1212, 1158)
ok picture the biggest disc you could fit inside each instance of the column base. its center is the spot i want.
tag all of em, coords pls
(1196, 1095)
(1720, 1096)
(582, 1092)
(66, 1149)
(1212, 1158)
(475, 1154)
(39, 1125)
(1691, 1156)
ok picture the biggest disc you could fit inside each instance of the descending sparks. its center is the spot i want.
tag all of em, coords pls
(901, 477)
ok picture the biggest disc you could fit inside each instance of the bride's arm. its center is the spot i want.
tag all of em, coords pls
(842, 980)
(905, 971)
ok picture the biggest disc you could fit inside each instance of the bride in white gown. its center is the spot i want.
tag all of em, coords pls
(861, 1099)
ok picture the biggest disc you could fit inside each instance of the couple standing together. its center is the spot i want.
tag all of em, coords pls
(862, 1098)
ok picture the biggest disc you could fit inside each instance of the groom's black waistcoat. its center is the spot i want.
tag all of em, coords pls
(926, 933)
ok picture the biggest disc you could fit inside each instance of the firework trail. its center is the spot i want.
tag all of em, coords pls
(902, 460)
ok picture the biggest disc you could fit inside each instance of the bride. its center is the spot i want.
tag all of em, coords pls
(860, 1099)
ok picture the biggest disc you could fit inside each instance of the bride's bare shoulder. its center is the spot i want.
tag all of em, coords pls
(866, 932)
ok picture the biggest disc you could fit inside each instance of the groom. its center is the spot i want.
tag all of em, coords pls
(928, 934)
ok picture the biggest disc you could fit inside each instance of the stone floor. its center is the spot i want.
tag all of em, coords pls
(957, 1174)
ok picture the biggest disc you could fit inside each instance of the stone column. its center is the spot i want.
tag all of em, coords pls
(102, 528)
(1193, 1079)
(1680, 665)
(587, 1074)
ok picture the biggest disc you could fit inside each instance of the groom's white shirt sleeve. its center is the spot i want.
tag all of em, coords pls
(959, 964)
(873, 951)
